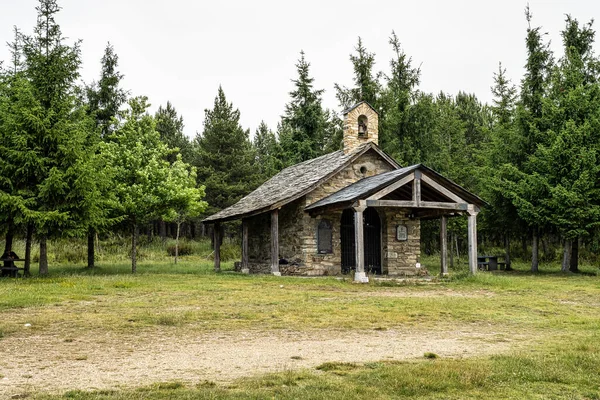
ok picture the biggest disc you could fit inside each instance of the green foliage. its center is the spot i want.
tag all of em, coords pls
(224, 156)
(170, 127)
(268, 151)
(366, 83)
(303, 128)
(105, 97)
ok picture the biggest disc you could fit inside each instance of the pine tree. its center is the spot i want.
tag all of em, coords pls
(526, 187)
(568, 158)
(169, 125)
(59, 137)
(268, 151)
(224, 156)
(304, 122)
(366, 83)
(395, 136)
(106, 97)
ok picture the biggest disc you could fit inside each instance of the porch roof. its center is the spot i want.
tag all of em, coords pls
(367, 187)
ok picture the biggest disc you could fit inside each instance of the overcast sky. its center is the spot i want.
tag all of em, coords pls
(182, 50)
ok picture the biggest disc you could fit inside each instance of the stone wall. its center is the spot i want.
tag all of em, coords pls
(298, 231)
(400, 258)
(368, 164)
(352, 139)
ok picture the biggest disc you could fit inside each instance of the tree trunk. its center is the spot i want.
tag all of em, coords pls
(28, 240)
(177, 241)
(507, 251)
(451, 250)
(535, 251)
(566, 261)
(43, 255)
(134, 240)
(9, 238)
(574, 267)
(457, 249)
(91, 249)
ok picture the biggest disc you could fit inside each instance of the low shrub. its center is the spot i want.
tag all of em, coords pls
(185, 249)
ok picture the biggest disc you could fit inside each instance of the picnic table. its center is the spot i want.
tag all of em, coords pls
(9, 268)
(491, 263)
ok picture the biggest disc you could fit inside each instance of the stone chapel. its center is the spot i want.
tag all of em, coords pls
(351, 211)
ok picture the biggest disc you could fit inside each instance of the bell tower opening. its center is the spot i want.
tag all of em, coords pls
(363, 125)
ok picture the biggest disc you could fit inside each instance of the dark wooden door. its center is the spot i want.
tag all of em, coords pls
(347, 238)
(372, 237)
(372, 241)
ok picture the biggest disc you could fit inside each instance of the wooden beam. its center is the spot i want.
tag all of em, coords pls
(417, 188)
(359, 243)
(444, 206)
(391, 203)
(245, 264)
(384, 192)
(442, 189)
(217, 245)
(472, 237)
(444, 244)
(275, 242)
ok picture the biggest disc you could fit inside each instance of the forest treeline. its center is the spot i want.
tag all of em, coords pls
(86, 159)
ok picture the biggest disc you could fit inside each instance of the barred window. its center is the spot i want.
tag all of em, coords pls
(324, 237)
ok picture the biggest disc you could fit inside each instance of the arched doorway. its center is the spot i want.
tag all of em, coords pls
(372, 241)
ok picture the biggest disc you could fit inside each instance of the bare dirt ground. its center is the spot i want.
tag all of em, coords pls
(51, 364)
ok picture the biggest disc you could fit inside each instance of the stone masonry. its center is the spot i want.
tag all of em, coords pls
(352, 138)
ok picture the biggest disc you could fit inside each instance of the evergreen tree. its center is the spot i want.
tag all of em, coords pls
(59, 130)
(366, 83)
(170, 127)
(304, 123)
(268, 151)
(105, 97)
(505, 97)
(568, 158)
(395, 137)
(523, 184)
(224, 156)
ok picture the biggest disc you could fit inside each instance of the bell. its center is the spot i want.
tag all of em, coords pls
(362, 129)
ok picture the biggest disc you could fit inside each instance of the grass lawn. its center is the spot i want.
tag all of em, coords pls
(557, 315)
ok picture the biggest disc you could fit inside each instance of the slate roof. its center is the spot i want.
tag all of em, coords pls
(373, 184)
(347, 110)
(364, 187)
(293, 182)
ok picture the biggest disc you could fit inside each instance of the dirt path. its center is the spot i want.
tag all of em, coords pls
(47, 363)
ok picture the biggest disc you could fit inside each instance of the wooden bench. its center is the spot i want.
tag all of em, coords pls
(491, 263)
(9, 269)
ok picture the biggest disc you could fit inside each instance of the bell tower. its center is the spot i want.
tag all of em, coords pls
(361, 125)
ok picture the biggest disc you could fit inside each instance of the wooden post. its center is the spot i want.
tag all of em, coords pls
(444, 244)
(275, 242)
(217, 245)
(472, 236)
(359, 243)
(417, 188)
(245, 267)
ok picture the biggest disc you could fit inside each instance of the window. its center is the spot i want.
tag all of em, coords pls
(324, 237)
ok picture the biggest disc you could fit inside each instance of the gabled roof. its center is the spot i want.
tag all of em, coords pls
(347, 110)
(373, 184)
(294, 182)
